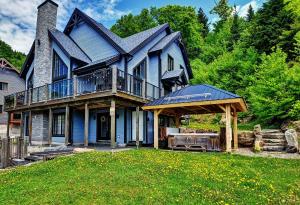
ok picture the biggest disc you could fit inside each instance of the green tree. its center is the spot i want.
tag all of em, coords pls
(14, 57)
(274, 96)
(223, 10)
(203, 20)
(250, 14)
(270, 22)
(126, 26)
(234, 30)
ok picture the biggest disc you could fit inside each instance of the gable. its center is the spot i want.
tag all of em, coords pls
(91, 42)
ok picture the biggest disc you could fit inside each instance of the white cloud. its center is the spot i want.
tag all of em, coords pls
(18, 17)
(243, 10)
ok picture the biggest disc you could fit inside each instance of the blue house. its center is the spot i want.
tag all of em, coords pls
(85, 85)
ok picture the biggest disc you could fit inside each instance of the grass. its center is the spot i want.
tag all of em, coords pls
(153, 177)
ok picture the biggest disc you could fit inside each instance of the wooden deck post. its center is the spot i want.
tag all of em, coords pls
(235, 130)
(86, 125)
(75, 85)
(137, 127)
(67, 125)
(50, 126)
(8, 124)
(177, 121)
(156, 114)
(114, 79)
(228, 128)
(30, 127)
(113, 124)
(22, 126)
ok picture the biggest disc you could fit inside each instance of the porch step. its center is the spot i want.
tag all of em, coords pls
(274, 148)
(278, 135)
(103, 142)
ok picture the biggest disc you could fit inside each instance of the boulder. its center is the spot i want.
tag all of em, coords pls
(257, 130)
(246, 138)
(292, 140)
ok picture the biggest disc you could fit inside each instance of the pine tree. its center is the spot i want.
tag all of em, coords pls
(270, 23)
(250, 13)
(234, 30)
(203, 20)
(223, 10)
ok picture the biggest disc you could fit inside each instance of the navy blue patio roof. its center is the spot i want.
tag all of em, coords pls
(198, 95)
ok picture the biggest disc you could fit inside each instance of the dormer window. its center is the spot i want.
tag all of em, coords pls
(60, 69)
(170, 63)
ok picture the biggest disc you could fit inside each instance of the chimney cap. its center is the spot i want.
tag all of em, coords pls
(50, 1)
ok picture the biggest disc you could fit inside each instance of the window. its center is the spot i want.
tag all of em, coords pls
(140, 69)
(170, 63)
(139, 74)
(17, 116)
(3, 86)
(30, 81)
(1, 108)
(58, 125)
(60, 70)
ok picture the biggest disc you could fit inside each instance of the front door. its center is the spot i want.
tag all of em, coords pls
(103, 126)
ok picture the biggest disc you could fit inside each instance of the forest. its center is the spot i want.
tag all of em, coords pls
(256, 56)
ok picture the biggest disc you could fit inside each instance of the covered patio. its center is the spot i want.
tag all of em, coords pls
(199, 99)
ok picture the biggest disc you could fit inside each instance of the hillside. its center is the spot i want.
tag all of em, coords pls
(14, 57)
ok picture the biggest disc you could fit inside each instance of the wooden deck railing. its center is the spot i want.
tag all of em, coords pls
(98, 81)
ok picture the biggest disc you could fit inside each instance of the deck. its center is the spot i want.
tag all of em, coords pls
(97, 86)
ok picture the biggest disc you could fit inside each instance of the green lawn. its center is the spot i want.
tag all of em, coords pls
(153, 177)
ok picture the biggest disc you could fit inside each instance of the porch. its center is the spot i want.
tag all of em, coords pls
(100, 83)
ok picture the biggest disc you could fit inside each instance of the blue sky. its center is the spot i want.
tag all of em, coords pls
(18, 17)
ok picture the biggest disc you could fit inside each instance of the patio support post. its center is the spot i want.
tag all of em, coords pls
(67, 125)
(8, 124)
(86, 125)
(137, 128)
(177, 121)
(228, 128)
(50, 126)
(156, 129)
(30, 127)
(22, 125)
(113, 124)
(235, 130)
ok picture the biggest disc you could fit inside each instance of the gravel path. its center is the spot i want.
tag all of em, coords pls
(283, 155)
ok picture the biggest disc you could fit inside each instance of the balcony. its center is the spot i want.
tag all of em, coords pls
(104, 80)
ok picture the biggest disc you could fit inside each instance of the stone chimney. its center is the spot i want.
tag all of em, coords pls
(46, 19)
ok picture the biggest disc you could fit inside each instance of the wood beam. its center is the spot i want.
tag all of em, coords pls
(228, 129)
(177, 121)
(67, 125)
(156, 121)
(50, 126)
(22, 125)
(222, 108)
(113, 124)
(137, 127)
(204, 108)
(235, 130)
(86, 125)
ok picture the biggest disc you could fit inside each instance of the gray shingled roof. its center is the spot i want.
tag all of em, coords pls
(194, 93)
(164, 42)
(133, 41)
(69, 46)
(172, 74)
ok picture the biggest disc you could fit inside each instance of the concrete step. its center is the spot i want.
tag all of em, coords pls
(270, 140)
(273, 135)
(274, 144)
(273, 148)
(271, 131)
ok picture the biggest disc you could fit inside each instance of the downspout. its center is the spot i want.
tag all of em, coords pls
(159, 73)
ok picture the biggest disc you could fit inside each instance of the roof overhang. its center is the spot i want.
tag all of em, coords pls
(199, 107)
(28, 61)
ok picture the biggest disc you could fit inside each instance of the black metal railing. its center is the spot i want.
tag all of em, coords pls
(98, 81)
